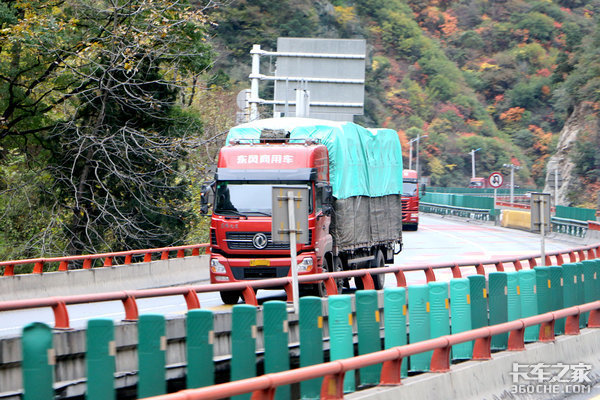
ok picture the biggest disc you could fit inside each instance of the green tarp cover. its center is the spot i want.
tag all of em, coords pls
(362, 162)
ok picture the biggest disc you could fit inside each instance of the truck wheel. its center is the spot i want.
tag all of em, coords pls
(318, 289)
(230, 297)
(337, 267)
(379, 280)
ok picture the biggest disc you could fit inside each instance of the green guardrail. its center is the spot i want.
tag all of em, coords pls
(576, 213)
(459, 200)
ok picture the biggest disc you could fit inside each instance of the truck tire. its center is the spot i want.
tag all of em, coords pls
(337, 267)
(379, 280)
(230, 297)
(318, 289)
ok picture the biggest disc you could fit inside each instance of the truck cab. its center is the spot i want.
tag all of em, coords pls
(477, 183)
(240, 232)
(410, 200)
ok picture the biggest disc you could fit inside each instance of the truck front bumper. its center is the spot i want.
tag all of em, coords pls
(223, 269)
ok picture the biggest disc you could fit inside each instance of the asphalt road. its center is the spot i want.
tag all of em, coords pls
(437, 240)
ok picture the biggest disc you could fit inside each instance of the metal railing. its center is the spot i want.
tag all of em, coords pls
(568, 226)
(474, 213)
(247, 288)
(332, 387)
(87, 261)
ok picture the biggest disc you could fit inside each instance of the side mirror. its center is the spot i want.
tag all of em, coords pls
(207, 196)
(327, 199)
(422, 190)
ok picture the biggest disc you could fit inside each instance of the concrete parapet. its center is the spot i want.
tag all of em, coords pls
(516, 219)
(160, 273)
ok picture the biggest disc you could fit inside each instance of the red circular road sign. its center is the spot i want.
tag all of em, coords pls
(495, 180)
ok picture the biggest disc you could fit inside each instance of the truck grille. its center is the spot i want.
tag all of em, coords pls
(243, 241)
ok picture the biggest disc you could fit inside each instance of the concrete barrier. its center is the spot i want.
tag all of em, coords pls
(492, 379)
(516, 219)
(154, 274)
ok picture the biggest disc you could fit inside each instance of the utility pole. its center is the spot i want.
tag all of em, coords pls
(472, 152)
(410, 150)
(417, 139)
(512, 180)
(556, 184)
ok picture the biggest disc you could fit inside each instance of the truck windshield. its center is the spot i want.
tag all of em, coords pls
(235, 198)
(409, 189)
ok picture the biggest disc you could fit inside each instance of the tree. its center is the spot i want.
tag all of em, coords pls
(94, 98)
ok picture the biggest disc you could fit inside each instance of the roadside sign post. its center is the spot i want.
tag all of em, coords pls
(540, 219)
(290, 225)
(495, 180)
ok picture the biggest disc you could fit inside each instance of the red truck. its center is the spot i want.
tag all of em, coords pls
(355, 186)
(410, 200)
(477, 183)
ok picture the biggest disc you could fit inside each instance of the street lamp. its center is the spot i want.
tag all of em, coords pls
(417, 139)
(512, 180)
(472, 152)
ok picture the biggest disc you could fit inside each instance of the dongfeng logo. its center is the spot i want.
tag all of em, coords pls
(260, 241)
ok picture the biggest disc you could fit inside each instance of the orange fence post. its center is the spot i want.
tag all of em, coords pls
(127, 259)
(430, 275)
(131, 309)
(400, 278)
(147, 257)
(87, 263)
(61, 315)
(440, 360)
(367, 282)
(289, 292)
(9, 270)
(516, 339)
(482, 348)
(180, 253)
(590, 254)
(572, 325)
(559, 259)
(249, 296)
(191, 299)
(391, 371)
(480, 270)
(264, 394)
(196, 251)
(108, 262)
(38, 268)
(572, 257)
(499, 266)
(456, 271)
(63, 266)
(332, 387)
(164, 255)
(532, 263)
(517, 265)
(594, 319)
(330, 286)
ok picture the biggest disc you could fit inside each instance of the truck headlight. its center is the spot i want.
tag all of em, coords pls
(306, 264)
(216, 266)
